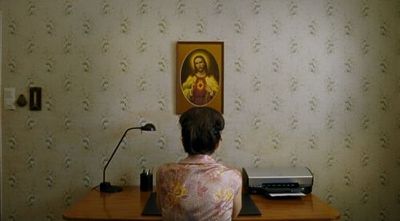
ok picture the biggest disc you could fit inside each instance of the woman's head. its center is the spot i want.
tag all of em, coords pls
(201, 130)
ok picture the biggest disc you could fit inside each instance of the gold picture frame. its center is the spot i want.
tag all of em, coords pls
(199, 75)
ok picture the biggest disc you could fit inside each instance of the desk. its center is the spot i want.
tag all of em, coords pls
(128, 205)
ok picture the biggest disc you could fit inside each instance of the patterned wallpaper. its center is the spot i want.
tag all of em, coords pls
(307, 83)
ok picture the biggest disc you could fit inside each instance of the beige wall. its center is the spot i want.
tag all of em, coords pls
(307, 83)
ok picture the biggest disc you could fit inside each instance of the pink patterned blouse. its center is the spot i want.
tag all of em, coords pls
(197, 188)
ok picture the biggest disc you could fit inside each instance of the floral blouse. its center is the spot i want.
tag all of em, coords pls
(197, 188)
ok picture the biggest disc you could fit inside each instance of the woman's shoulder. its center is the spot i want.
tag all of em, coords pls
(231, 171)
(168, 166)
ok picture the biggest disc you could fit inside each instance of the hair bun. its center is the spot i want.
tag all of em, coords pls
(219, 125)
(215, 131)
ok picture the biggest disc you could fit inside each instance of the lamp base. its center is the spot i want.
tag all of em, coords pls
(108, 188)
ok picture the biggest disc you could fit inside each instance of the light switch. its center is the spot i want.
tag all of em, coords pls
(35, 98)
(9, 98)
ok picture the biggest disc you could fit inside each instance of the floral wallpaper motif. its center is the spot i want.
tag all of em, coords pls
(307, 83)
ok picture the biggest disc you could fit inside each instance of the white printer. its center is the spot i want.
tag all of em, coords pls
(278, 181)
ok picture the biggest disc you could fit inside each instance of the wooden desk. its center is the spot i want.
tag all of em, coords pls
(128, 205)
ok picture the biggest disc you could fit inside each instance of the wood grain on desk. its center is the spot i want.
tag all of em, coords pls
(128, 205)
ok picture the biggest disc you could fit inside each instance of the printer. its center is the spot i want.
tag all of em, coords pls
(278, 181)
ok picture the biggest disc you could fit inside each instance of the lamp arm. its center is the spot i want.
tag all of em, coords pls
(115, 150)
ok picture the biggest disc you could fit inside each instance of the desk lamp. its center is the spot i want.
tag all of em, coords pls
(106, 186)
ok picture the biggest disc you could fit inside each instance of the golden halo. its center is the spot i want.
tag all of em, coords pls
(199, 53)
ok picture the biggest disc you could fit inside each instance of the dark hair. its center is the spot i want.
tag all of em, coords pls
(201, 130)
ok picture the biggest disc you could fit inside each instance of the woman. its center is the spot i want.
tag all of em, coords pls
(197, 187)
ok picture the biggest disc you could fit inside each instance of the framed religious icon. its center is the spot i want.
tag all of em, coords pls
(200, 75)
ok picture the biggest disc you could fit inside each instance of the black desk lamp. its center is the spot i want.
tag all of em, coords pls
(106, 186)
